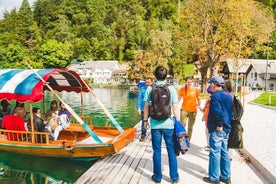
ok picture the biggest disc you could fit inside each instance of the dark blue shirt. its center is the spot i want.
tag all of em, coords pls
(220, 112)
(64, 111)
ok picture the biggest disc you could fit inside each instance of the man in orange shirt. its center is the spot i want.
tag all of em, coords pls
(191, 100)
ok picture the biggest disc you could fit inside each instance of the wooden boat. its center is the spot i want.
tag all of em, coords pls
(81, 140)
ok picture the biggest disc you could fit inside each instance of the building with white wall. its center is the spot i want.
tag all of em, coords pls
(100, 71)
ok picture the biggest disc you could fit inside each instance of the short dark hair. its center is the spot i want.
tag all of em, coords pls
(160, 73)
(35, 109)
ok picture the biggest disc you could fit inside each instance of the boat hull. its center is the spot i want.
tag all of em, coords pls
(67, 147)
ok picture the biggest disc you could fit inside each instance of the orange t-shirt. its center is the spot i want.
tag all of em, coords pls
(206, 111)
(189, 96)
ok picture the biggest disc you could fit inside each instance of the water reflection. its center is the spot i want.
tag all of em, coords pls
(38, 170)
(115, 100)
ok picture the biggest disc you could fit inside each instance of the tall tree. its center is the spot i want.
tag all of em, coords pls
(215, 30)
(27, 29)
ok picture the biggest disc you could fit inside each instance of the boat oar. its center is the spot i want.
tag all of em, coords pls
(84, 125)
(104, 109)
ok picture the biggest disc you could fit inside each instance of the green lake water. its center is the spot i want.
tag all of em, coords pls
(19, 168)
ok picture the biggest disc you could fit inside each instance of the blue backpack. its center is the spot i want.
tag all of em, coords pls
(181, 140)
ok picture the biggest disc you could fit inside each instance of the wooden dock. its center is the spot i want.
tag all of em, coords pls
(133, 164)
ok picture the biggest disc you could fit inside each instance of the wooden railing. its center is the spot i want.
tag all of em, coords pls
(37, 137)
(86, 119)
(23, 136)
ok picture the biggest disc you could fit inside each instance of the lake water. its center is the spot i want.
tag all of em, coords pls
(38, 170)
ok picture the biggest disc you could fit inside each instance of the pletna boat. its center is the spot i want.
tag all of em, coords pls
(81, 140)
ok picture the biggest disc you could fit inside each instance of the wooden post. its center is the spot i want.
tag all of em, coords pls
(32, 121)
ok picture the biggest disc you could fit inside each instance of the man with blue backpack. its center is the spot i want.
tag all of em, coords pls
(160, 100)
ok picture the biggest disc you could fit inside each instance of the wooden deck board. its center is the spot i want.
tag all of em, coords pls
(126, 166)
(129, 167)
(138, 164)
(120, 166)
(133, 164)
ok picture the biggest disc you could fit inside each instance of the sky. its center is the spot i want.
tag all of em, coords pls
(11, 4)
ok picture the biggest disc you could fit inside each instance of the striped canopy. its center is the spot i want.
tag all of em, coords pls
(24, 85)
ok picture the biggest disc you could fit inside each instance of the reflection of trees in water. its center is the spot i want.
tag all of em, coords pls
(117, 101)
(22, 177)
(36, 170)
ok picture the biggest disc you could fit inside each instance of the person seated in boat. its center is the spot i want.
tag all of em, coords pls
(63, 123)
(63, 110)
(14, 122)
(53, 107)
(58, 121)
(22, 105)
(38, 123)
(6, 110)
(51, 122)
(37, 120)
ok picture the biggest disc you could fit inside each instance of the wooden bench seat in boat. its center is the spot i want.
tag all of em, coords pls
(76, 128)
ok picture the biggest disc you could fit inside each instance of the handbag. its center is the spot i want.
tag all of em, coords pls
(235, 140)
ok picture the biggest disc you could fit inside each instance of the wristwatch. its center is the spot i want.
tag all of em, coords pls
(146, 120)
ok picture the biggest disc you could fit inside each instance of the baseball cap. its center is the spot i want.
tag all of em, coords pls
(217, 80)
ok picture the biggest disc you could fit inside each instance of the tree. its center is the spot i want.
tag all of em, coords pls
(158, 54)
(12, 55)
(223, 28)
(55, 54)
(27, 29)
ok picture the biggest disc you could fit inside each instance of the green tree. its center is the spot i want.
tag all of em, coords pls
(55, 54)
(12, 56)
(26, 28)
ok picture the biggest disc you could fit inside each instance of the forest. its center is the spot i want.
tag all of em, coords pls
(140, 33)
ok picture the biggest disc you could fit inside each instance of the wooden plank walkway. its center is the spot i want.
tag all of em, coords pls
(133, 164)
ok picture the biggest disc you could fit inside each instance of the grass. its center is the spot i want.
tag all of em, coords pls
(263, 99)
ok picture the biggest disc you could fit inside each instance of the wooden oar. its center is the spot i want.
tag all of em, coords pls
(104, 109)
(84, 125)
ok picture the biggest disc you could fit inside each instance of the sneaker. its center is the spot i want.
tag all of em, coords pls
(142, 138)
(207, 180)
(175, 181)
(155, 180)
(226, 181)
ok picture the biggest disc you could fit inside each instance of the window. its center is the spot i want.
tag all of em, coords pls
(255, 76)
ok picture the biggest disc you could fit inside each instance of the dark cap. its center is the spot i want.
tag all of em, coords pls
(217, 80)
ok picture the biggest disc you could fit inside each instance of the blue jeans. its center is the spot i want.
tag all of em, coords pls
(219, 161)
(143, 130)
(156, 135)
